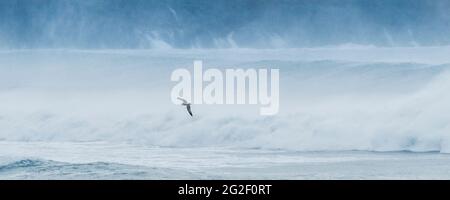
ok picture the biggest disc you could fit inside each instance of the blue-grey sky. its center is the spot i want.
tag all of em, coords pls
(222, 23)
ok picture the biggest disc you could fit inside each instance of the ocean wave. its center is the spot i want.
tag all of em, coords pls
(21, 164)
(48, 169)
(325, 104)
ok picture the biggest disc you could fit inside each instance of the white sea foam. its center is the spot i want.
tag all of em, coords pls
(376, 99)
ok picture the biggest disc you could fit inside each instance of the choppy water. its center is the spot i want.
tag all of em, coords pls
(20, 160)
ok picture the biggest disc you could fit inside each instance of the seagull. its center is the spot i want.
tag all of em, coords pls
(188, 105)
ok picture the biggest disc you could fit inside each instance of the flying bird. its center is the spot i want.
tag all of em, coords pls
(188, 105)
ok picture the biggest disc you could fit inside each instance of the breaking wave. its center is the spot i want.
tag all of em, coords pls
(326, 105)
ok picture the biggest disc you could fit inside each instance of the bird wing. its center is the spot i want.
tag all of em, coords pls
(189, 109)
(184, 101)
